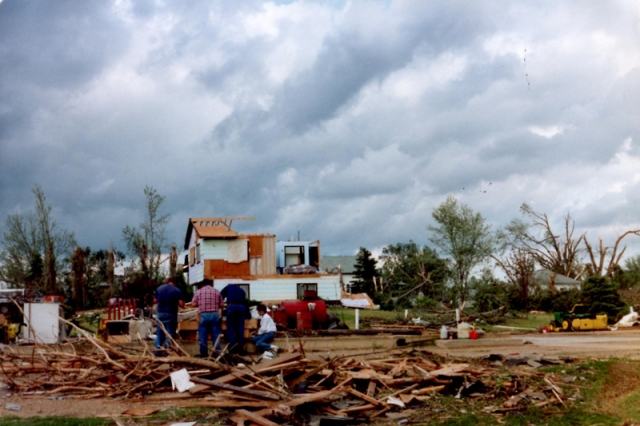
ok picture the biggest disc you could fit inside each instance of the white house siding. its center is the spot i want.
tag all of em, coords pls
(196, 273)
(276, 289)
(214, 249)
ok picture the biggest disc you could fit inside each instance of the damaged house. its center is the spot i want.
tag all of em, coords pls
(264, 268)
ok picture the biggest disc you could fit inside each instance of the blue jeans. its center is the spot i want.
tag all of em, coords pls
(235, 326)
(170, 323)
(263, 341)
(209, 326)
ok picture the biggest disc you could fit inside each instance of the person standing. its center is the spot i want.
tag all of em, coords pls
(209, 303)
(266, 333)
(169, 298)
(236, 314)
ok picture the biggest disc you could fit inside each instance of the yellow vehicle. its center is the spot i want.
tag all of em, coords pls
(578, 319)
(600, 322)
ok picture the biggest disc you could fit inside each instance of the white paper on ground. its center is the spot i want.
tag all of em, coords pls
(183, 424)
(395, 401)
(180, 380)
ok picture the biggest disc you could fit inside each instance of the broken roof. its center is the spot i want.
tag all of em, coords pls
(211, 227)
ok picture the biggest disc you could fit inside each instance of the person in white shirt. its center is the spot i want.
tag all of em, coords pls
(266, 333)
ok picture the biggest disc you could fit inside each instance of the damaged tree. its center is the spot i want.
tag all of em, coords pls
(148, 240)
(33, 247)
(562, 253)
(557, 253)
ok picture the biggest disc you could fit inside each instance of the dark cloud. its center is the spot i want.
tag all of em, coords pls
(348, 121)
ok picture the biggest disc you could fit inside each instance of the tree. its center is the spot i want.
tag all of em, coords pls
(518, 266)
(490, 293)
(562, 253)
(559, 253)
(463, 236)
(597, 267)
(365, 273)
(148, 240)
(601, 295)
(408, 269)
(34, 248)
(629, 276)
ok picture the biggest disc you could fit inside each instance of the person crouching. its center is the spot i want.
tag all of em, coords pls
(266, 333)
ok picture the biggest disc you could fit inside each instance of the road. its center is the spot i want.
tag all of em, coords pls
(602, 344)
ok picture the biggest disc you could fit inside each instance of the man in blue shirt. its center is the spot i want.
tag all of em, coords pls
(236, 312)
(169, 298)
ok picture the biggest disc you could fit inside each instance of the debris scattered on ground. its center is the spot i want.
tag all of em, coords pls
(290, 388)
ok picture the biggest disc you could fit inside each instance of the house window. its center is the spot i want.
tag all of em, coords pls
(198, 254)
(245, 288)
(306, 290)
(293, 255)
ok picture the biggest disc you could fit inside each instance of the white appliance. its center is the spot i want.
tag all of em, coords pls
(43, 322)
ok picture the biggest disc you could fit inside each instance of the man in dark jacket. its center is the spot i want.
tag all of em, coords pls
(236, 312)
(169, 298)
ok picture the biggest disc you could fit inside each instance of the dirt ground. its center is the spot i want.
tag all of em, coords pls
(621, 344)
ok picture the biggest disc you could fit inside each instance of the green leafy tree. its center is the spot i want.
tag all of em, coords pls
(463, 236)
(147, 241)
(34, 248)
(629, 275)
(365, 273)
(408, 270)
(489, 292)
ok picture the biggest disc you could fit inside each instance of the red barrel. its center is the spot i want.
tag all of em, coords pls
(317, 308)
(280, 317)
(304, 320)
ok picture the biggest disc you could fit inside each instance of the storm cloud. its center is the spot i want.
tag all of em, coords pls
(349, 121)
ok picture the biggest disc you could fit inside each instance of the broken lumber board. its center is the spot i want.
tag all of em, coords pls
(224, 386)
(299, 400)
(256, 418)
(225, 404)
(430, 389)
(364, 397)
(261, 368)
(308, 374)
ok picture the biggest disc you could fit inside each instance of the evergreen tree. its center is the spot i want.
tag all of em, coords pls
(365, 271)
(601, 295)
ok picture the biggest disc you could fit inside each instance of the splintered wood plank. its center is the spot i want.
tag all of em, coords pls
(294, 402)
(226, 404)
(430, 389)
(363, 397)
(260, 368)
(223, 386)
(198, 388)
(308, 374)
(371, 389)
(256, 418)
(398, 369)
(359, 408)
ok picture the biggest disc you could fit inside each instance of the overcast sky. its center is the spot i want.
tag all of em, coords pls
(349, 121)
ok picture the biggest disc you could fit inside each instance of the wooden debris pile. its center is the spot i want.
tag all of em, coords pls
(291, 388)
(106, 371)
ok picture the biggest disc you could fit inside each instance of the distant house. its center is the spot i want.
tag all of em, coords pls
(341, 264)
(547, 279)
(264, 268)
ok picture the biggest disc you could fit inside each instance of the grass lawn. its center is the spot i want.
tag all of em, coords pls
(530, 321)
(348, 315)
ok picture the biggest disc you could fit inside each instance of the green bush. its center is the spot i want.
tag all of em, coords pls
(490, 295)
